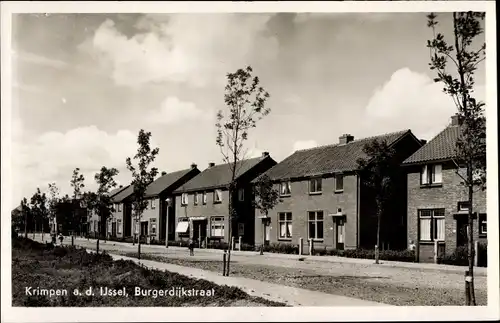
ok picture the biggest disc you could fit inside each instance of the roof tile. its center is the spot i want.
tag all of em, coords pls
(438, 148)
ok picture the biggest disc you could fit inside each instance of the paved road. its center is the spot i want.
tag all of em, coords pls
(404, 277)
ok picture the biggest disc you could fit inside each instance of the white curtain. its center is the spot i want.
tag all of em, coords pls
(289, 229)
(440, 229)
(437, 174)
(425, 229)
(424, 179)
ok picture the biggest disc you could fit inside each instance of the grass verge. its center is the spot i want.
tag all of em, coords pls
(37, 268)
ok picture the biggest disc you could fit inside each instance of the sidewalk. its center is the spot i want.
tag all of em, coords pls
(284, 294)
(481, 271)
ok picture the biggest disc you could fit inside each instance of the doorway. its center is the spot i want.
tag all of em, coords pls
(462, 230)
(199, 231)
(113, 229)
(340, 236)
(144, 228)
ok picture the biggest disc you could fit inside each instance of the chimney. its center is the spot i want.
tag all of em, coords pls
(120, 186)
(455, 120)
(423, 141)
(210, 165)
(345, 139)
(163, 173)
(193, 166)
(265, 154)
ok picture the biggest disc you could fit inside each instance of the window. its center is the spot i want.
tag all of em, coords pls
(119, 207)
(339, 183)
(195, 199)
(153, 225)
(119, 225)
(95, 225)
(316, 225)
(463, 206)
(285, 189)
(241, 194)
(285, 225)
(147, 204)
(153, 204)
(184, 199)
(482, 224)
(217, 196)
(315, 185)
(431, 174)
(204, 198)
(432, 225)
(182, 230)
(217, 226)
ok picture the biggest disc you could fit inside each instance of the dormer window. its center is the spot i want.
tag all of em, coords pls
(285, 188)
(431, 174)
(315, 185)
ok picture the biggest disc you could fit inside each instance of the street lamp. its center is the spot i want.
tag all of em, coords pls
(168, 200)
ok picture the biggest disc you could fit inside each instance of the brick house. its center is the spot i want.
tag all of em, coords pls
(94, 225)
(323, 197)
(153, 219)
(437, 201)
(202, 204)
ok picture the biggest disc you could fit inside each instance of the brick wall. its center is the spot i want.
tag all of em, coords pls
(301, 202)
(447, 196)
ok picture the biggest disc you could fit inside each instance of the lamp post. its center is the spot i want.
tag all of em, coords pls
(168, 201)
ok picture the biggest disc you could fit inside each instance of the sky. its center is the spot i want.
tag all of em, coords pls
(85, 84)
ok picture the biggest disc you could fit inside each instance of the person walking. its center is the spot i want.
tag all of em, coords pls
(61, 238)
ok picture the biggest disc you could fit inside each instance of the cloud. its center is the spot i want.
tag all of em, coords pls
(304, 17)
(304, 144)
(198, 49)
(410, 100)
(53, 156)
(174, 111)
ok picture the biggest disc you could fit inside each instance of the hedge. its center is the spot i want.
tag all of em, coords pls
(459, 257)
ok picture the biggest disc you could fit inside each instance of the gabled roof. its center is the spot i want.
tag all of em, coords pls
(166, 181)
(441, 147)
(123, 194)
(219, 175)
(327, 159)
(117, 190)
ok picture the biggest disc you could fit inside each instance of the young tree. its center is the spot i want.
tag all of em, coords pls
(77, 183)
(266, 198)
(458, 79)
(39, 209)
(25, 209)
(100, 202)
(53, 202)
(142, 176)
(378, 171)
(245, 102)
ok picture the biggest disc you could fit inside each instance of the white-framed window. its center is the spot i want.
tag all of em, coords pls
(315, 223)
(463, 206)
(432, 224)
(431, 174)
(241, 194)
(339, 183)
(315, 185)
(119, 207)
(152, 222)
(482, 224)
(119, 225)
(217, 226)
(153, 203)
(217, 196)
(285, 188)
(195, 199)
(184, 199)
(285, 225)
(204, 198)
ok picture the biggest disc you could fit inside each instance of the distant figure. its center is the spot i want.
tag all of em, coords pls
(191, 247)
(61, 237)
(54, 239)
(411, 245)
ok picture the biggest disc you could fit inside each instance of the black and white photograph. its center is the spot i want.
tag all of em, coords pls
(249, 161)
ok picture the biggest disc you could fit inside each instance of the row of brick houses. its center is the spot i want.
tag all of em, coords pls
(323, 197)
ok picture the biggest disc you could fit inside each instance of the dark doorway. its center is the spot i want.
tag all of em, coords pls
(199, 231)
(144, 228)
(462, 231)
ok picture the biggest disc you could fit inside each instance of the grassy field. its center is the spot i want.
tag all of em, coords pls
(37, 267)
(376, 289)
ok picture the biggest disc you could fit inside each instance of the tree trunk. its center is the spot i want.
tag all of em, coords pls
(470, 248)
(139, 241)
(26, 224)
(230, 231)
(42, 231)
(34, 230)
(379, 215)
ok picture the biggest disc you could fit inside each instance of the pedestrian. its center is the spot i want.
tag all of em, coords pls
(61, 237)
(191, 247)
(54, 239)
(411, 245)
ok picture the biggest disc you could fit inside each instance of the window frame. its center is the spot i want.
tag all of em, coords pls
(184, 199)
(153, 204)
(482, 220)
(338, 177)
(204, 198)
(217, 197)
(288, 185)
(195, 198)
(313, 183)
(288, 219)
(119, 226)
(119, 207)
(430, 175)
(217, 221)
(315, 221)
(433, 224)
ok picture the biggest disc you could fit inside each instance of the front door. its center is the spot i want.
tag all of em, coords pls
(199, 231)
(268, 232)
(144, 228)
(113, 229)
(462, 226)
(340, 236)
